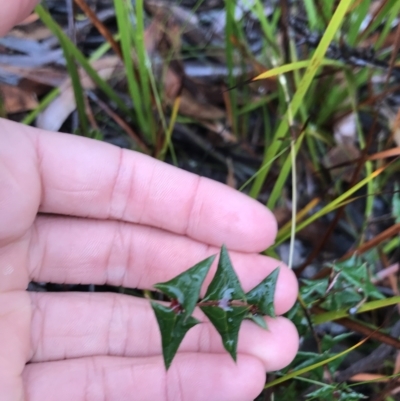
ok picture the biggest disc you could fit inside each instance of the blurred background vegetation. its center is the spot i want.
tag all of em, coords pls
(295, 103)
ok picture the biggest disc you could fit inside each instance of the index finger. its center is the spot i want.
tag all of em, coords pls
(13, 12)
(88, 178)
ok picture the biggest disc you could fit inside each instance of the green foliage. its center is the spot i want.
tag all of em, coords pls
(227, 321)
(396, 203)
(185, 287)
(173, 327)
(294, 106)
(80, 58)
(348, 287)
(332, 393)
(350, 284)
(225, 286)
(225, 304)
(131, 28)
(262, 295)
(223, 314)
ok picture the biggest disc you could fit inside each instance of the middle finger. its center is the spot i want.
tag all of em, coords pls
(77, 251)
(74, 325)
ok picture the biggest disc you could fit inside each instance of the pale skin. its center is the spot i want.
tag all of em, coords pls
(74, 210)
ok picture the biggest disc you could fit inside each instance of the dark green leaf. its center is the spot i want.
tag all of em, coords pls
(304, 359)
(227, 321)
(173, 327)
(335, 393)
(258, 320)
(223, 289)
(185, 288)
(263, 294)
(328, 342)
(361, 278)
(312, 290)
(225, 285)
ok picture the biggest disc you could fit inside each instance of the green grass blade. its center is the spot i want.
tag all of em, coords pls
(294, 66)
(312, 13)
(369, 203)
(76, 86)
(143, 69)
(262, 167)
(305, 83)
(312, 367)
(338, 98)
(394, 13)
(357, 17)
(284, 172)
(267, 27)
(367, 307)
(380, 17)
(103, 48)
(81, 59)
(78, 90)
(284, 235)
(391, 245)
(168, 136)
(124, 27)
(30, 117)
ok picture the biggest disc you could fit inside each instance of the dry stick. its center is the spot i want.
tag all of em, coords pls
(390, 232)
(71, 21)
(377, 335)
(371, 100)
(115, 46)
(284, 6)
(90, 115)
(385, 154)
(371, 361)
(120, 122)
(389, 389)
(372, 20)
(362, 329)
(386, 272)
(100, 26)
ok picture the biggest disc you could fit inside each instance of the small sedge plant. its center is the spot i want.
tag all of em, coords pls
(225, 304)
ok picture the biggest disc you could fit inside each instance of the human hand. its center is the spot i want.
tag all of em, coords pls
(74, 210)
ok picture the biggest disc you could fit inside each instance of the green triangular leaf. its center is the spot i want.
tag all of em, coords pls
(225, 285)
(185, 288)
(223, 289)
(173, 328)
(227, 322)
(258, 320)
(262, 296)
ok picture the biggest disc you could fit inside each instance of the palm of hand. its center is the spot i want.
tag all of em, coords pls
(131, 221)
(74, 210)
